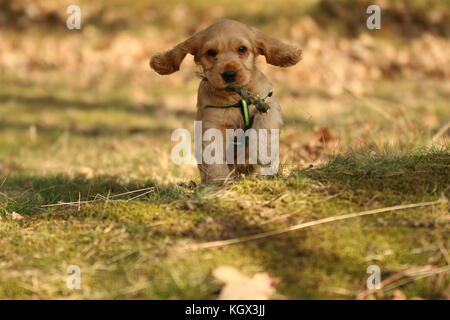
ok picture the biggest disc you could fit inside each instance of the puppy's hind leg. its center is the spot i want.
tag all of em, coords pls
(214, 173)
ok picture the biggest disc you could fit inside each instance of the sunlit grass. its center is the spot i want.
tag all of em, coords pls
(54, 150)
(85, 131)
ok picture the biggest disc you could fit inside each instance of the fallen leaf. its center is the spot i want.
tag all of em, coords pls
(324, 134)
(16, 216)
(241, 287)
(398, 295)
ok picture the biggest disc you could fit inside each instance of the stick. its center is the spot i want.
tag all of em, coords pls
(441, 132)
(403, 277)
(222, 243)
(77, 203)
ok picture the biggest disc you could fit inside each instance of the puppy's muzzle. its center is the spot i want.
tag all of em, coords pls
(229, 76)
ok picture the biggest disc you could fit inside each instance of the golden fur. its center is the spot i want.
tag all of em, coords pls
(226, 38)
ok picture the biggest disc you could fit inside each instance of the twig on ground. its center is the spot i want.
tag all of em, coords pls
(444, 252)
(140, 195)
(222, 243)
(403, 277)
(79, 202)
(441, 132)
(4, 181)
(277, 198)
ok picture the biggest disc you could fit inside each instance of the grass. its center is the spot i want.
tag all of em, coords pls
(91, 128)
(127, 249)
(69, 147)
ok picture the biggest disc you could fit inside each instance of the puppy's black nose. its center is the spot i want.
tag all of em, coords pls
(229, 75)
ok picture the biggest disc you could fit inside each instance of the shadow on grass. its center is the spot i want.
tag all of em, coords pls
(307, 259)
(31, 192)
(289, 256)
(415, 175)
(51, 102)
(48, 103)
(94, 131)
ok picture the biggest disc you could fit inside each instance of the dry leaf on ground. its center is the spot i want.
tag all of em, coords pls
(446, 294)
(398, 295)
(241, 287)
(16, 216)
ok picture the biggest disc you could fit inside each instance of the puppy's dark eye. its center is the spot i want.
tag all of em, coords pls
(211, 53)
(242, 50)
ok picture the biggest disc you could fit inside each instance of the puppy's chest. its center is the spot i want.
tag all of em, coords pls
(221, 118)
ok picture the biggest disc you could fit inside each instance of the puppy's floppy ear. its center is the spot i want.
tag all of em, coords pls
(276, 52)
(169, 61)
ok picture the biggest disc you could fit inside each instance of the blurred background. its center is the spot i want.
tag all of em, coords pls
(89, 99)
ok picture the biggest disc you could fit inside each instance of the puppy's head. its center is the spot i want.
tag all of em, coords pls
(227, 51)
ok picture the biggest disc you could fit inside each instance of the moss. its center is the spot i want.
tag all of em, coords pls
(135, 248)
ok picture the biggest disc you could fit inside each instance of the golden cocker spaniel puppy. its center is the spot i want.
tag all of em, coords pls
(227, 51)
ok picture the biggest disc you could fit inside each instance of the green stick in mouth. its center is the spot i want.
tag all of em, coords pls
(258, 102)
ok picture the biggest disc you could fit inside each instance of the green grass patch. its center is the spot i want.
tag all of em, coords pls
(134, 249)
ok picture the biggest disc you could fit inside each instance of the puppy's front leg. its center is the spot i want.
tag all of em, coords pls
(214, 173)
(214, 168)
(268, 140)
